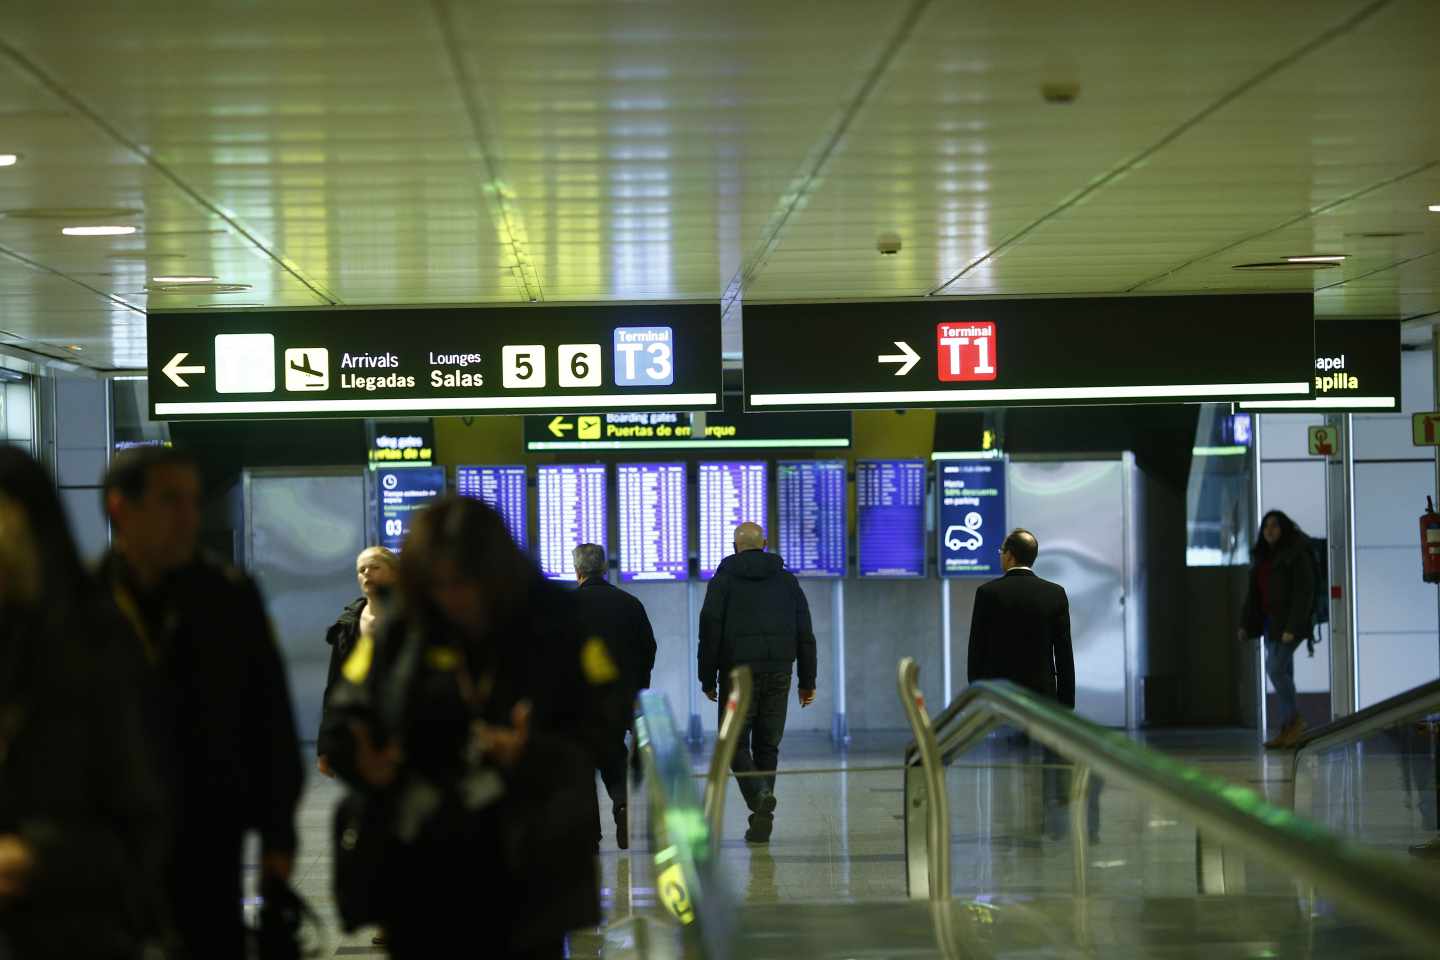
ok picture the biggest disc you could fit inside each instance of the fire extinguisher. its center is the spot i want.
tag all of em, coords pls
(1430, 542)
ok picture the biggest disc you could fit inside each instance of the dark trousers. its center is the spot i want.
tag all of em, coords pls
(759, 747)
(612, 768)
(205, 894)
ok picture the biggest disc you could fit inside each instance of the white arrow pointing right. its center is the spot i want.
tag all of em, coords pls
(907, 358)
(173, 369)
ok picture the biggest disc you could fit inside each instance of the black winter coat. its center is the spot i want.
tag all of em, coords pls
(1020, 631)
(755, 614)
(77, 785)
(341, 637)
(1291, 596)
(620, 620)
(518, 870)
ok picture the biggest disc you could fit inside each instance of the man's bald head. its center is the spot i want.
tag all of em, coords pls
(749, 536)
(1023, 548)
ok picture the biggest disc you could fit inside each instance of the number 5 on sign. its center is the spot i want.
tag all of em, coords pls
(523, 367)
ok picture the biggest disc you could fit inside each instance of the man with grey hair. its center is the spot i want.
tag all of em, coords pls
(607, 612)
(755, 614)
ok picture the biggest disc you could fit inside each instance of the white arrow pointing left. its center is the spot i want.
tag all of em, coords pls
(173, 369)
(907, 357)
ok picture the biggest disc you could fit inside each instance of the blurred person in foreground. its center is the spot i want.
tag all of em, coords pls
(469, 728)
(80, 812)
(620, 620)
(218, 713)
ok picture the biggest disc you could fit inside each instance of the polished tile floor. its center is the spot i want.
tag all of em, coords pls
(839, 833)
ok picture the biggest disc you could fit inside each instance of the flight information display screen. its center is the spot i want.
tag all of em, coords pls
(653, 541)
(890, 518)
(572, 511)
(811, 497)
(502, 487)
(731, 493)
(404, 490)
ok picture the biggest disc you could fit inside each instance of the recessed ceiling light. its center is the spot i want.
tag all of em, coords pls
(1434, 208)
(1288, 265)
(1317, 258)
(171, 280)
(74, 346)
(102, 231)
(9, 159)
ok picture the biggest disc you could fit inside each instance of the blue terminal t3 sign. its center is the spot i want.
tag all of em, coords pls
(971, 519)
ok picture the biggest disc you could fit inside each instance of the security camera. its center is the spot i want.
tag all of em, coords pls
(888, 244)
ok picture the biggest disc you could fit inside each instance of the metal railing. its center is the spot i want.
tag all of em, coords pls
(1389, 891)
(1374, 718)
(687, 871)
(727, 738)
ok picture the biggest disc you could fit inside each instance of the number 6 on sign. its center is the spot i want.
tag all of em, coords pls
(522, 367)
(579, 364)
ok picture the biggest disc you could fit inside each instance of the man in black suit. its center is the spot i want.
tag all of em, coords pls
(620, 620)
(1020, 630)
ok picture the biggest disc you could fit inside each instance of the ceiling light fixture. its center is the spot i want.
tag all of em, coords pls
(1434, 208)
(1288, 265)
(100, 231)
(176, 280)
(9, 159)
(75, 347)
(1317, 258)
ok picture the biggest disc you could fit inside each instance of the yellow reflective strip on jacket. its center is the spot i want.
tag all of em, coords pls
(357, 665)
(131, 610)
(442, 658)
(596, 663)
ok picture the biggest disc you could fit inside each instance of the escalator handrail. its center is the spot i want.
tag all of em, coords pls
(1374, 718)
(685, 852)
(1386, 889)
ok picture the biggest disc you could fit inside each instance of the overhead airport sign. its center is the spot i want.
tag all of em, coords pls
(279, 364)
(948, 352)
(1357, 369)
(670, 430)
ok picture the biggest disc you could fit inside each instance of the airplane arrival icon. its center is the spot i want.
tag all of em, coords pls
(307, 369)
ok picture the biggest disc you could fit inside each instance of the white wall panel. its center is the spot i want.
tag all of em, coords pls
(1298, 488)
(1389, 498)
(1390, 593)
(1387, 436)
(1391, 663)
(1285, 435)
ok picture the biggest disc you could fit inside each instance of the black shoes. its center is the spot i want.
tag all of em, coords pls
(622, 828)
(762, 821)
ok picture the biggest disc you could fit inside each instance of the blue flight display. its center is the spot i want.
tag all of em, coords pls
(572, 511)
(890, 518)
(502, 487)
(403, 491)
(653, 541)
(813, 529)
(731, 493)
(970, 521)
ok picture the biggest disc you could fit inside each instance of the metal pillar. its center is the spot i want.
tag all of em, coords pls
(1340, 519)
(696, 732)
(839, 726)
(945, 644)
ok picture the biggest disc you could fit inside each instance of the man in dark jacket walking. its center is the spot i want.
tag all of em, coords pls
(1020, 630)
(755, 614)
(607, 612)
(217, 709)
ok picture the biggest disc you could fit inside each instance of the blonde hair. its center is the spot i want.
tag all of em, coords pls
(384, 553)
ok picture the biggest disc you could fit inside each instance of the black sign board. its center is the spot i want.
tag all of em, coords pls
(401, 443)
(948, 352)
(1357, 369)
(433, 362)
(730, 429)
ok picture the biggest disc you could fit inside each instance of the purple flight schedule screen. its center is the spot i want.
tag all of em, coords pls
(572, 507)
(731, 493)
(811, 495)
(890, 518)
(503, 488)
(653, 544)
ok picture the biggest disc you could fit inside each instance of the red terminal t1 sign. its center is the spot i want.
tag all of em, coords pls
(966, 351)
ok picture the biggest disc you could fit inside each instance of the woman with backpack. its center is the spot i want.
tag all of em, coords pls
(1279, 606)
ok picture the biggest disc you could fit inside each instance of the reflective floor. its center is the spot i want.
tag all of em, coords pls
(839, 837)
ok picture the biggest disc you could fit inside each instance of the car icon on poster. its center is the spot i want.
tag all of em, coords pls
(965, 536)
(307, 369)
